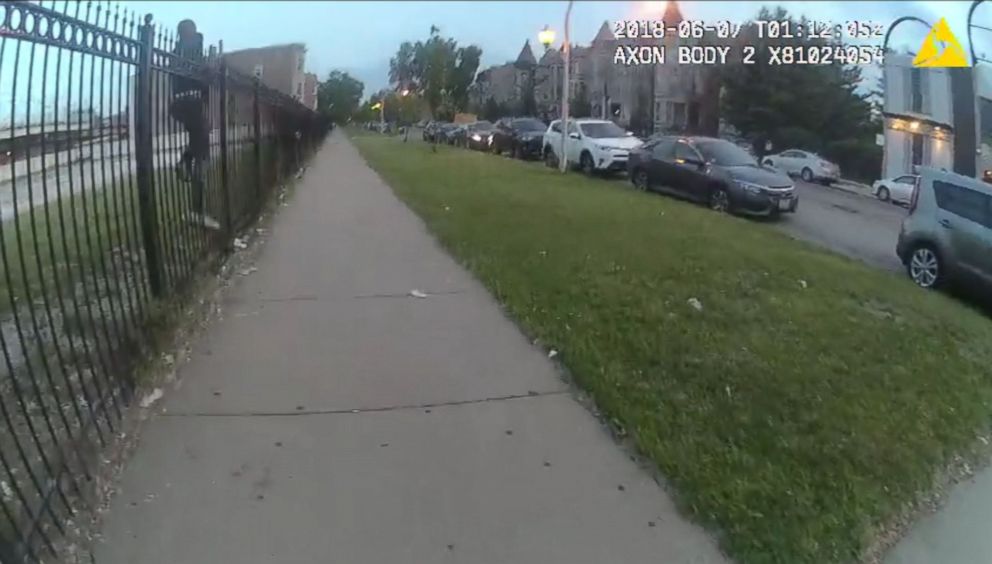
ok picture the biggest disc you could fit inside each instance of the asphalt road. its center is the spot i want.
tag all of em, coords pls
(857, 226)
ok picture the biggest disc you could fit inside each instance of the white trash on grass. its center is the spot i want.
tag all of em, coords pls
(696, 304)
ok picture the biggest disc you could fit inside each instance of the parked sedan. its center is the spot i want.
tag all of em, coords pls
(898, 189)
(445, 133)
(431, 130)
(477, 135)
(521, 137)
(804, 164)
(711, 171)
(457, 134)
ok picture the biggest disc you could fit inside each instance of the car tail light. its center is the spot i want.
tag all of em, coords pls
(916, 196)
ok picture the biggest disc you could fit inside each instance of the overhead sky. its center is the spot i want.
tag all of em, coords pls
(360, 37)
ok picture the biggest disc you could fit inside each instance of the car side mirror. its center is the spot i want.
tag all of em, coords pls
(573, 135)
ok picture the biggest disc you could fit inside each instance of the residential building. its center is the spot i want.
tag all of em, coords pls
(279, 67)
(647, 98)
(983, 95)
(310, 84)
(918, 117)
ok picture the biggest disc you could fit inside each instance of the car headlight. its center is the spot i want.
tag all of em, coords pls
(750, 187)
(605, 147)
(476, 137)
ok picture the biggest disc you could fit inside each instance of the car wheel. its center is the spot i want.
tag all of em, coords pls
(925, 268)
(883, 194)
(640, 180)
(806, 175)
(586, 164)
(719, 200)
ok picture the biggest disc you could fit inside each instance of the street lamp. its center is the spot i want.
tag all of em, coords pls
(971, 42)
(892, 26)
(563, 159)
(546, 37)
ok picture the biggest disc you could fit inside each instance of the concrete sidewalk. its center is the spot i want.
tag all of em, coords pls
(331, 417)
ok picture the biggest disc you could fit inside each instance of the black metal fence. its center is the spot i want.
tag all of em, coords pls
(100, 224)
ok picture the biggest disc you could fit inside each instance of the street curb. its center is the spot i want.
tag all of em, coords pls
(862, 190)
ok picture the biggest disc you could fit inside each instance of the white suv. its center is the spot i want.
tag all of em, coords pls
(592, 144)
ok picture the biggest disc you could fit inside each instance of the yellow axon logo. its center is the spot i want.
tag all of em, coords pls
(940, 49)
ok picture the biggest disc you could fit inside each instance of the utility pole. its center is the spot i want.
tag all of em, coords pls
(563, 161)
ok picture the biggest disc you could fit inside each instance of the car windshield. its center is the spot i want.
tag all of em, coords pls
(602, 130)
(724, 153)
(481, 126)
(528, 125)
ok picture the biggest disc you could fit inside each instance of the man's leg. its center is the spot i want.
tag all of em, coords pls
(179, 111)
(199, 147)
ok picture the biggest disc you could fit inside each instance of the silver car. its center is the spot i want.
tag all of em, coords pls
(948, 232)
(804, 164)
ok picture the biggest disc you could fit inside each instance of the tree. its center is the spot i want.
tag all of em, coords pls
(438, 70)
(339, 95)
(809, 106)
(493, 110)
(402, 67)
(579, 105)
(528, 100)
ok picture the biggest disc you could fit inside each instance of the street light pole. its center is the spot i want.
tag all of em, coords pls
(892, 27)
(563, 158)
(971, 42)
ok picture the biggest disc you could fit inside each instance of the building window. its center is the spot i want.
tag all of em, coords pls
(299, 89)
(258, 71)
(917, 152)
(916, 90)
(299, 64)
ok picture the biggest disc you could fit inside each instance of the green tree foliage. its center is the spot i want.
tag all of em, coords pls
(493, 110)
(579, 106)
(438, 70)
(528, 100)
(814, 107)
(398, 108)
(339, 95)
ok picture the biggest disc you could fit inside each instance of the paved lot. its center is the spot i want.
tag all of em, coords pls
(850, 224)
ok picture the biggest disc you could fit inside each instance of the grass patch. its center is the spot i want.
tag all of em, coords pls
(797, 413)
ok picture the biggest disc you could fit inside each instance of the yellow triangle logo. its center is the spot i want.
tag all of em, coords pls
(940, 49)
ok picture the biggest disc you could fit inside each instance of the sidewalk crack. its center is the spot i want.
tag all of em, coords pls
(402, 407)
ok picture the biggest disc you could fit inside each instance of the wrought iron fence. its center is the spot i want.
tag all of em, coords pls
(107, 200)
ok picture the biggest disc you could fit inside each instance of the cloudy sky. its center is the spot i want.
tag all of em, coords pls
(360, 37)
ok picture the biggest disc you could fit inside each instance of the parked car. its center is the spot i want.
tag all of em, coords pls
(521, 137)
(431, 130)
(804, 164)
(592, 144)
(898, 189)
(457, 134)
(445, 131)
(477, 135)
(712, 171)
(948, 232)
